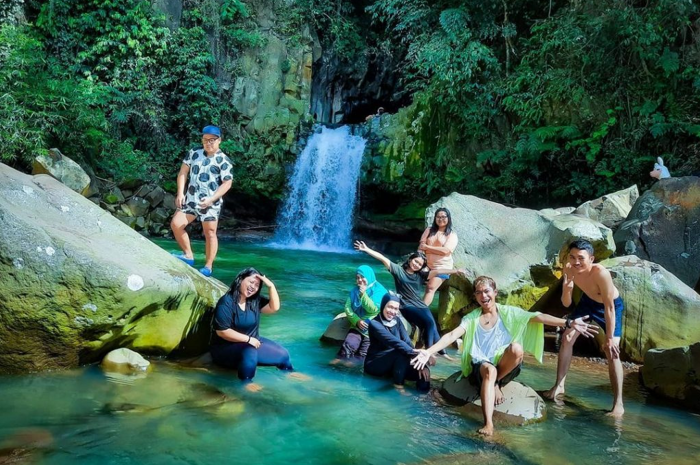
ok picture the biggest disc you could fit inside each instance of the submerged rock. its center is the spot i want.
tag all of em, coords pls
(522, 404)
(674, 374)
(519, 248)
(76, 283)
(664, 226)
(611, 209)
(125, 361)
(660, 310)
(64, 169)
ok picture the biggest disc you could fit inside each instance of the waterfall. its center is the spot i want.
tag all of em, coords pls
(318, 211)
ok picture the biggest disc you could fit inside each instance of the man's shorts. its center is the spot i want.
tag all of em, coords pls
(476, 379)
(208, 214)
(596, 311)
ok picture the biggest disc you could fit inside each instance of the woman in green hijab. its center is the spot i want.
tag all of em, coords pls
(361, 306)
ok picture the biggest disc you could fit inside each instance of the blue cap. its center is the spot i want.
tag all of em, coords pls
(213, 130)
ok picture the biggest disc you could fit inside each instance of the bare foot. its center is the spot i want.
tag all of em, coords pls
(487, 430)
(299, 376)
(616, 412)
(499, 396)
(401, 389)
(553, 393)
(446, 357)
(253, 387)
(335, 361)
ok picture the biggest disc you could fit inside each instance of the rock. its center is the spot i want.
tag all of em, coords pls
(140, 223)
(663, 227)
(130, 221)
(339, 327)
(674, 374)
(611, 209)
(660, 310)
(64, 169)
(169, 201)
(159, 215)
(522, 404)
(114, 196)
(337, 330)
(76, 283)
(155, 196)
(521, 253)
(137, 206)
(125, 361)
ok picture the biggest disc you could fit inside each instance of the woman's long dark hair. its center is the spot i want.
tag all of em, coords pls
(434, 228)
(235, 289)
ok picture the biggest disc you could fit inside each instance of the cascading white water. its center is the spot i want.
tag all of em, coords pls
(317, 213)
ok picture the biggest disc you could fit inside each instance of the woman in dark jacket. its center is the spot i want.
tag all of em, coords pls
(390, 349)
(236, 342)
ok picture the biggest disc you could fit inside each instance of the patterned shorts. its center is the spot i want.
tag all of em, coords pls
(208, 214)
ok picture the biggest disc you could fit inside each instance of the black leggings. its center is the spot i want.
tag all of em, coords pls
(397, 365)
(354, 345)
(422, 317)
(246, 358)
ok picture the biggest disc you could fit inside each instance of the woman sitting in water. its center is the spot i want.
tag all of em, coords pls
(390, 349)
(409, 280)
(236, 342)
(437, 243)
(361, 306)
(495, 339)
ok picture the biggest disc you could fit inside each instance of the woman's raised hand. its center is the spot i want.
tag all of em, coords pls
(263, 279)
(360, 246)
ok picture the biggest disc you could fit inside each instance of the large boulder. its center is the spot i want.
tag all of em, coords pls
(64, 169)
(660, 310)
(77, 283)
(664, 226)
(338, 329)
(674, 374)
(520, 248)
(612, 209)
(522, 404)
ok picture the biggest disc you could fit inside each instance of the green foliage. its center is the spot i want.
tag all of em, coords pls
(524, 106)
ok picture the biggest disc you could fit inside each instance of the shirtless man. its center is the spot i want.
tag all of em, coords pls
(601, 300)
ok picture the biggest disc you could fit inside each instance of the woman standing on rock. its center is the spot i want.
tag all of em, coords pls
(437, 243)
(361, 306)
(390, 348)
(495, 340)
(236, 342)
(409, 280)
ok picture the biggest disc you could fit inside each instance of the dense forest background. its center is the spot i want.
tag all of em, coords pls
(525, 102)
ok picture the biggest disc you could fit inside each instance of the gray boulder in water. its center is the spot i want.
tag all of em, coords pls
(664, 226)
(76, 283)
(522, 404)
(674, 374)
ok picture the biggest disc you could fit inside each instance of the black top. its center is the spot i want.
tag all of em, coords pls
(409, 285)
(228, 315)
(383, 340)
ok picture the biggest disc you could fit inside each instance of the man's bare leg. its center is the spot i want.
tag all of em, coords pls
(177, 224)
(211, 241)
(563, 364)
(488, 396)
(430, 289)
(512, 357)
(616, 377)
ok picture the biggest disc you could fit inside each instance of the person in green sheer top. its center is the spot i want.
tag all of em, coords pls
(495, 340)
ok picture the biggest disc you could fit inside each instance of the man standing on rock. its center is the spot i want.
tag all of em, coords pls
(210, 177)
(601, 300)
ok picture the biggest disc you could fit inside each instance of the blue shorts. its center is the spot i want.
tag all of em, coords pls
(596, 311)
(443, 276)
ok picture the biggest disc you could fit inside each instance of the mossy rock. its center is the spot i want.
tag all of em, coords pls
(77, 283)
